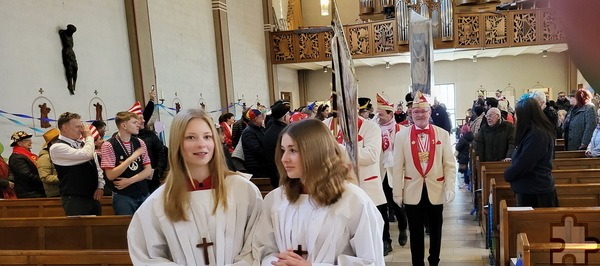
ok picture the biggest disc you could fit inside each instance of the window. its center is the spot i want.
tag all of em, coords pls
(444, 93)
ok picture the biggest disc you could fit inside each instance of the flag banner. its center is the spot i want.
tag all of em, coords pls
(345, 85)
(421, 53)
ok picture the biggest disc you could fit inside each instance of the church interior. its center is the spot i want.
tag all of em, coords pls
(228, 55)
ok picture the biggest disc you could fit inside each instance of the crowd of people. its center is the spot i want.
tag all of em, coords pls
(526, 136)
(320, 210)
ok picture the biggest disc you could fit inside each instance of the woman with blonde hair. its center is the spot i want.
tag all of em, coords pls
(316, 216)
(204, 214)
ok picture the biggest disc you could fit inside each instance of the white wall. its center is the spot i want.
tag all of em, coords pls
(288, 82)
(521, 72)
(183, 42)
(31, 59)
(248, 52)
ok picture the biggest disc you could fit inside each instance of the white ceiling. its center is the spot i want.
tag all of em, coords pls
(440, 55)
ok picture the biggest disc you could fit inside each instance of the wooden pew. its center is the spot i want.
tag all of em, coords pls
(64, 233)
(65, 257)
(541, 225)
(42, 207)
(569, 154)
(499, 167)
(559, 145)
(569, 195)
(263, 184)
(541, 253)
(584, 176)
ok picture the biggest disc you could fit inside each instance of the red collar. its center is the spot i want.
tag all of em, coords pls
(205, 185)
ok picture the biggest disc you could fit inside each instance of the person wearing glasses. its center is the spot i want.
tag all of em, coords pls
(496, 138)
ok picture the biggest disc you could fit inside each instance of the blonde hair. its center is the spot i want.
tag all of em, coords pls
(324, 168)
(176, 198)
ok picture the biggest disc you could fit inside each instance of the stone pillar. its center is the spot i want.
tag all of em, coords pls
(271, 69)
(219, 8)
(140, 46)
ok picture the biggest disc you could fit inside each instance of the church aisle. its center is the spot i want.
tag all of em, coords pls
(462, 240)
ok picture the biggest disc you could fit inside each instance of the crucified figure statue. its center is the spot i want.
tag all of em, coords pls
(68, 56)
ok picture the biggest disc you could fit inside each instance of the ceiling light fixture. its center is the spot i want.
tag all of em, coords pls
(387, 64)
(324, 8)
(474, 58)
(324, 69)
(545, 53)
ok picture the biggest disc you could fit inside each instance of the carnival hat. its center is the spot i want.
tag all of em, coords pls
(383, 104)
(364, 103)
(420, 101)
(18, 136)
(50, 135)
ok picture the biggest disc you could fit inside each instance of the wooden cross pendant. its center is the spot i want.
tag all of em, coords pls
(301, 252)
(204, 245)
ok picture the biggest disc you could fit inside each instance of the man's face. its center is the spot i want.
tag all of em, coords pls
(364, 113)
(421, 116)
(384, 117)
(492, 119)
(562, 96)
(72, 129)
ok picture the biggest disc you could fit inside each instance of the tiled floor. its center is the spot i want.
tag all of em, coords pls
(462, 240)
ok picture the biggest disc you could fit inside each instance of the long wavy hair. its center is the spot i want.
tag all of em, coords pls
(176, 198)
(529, 114)
(324, 168)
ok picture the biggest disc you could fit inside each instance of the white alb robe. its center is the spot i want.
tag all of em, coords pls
(155, 240)
(348, 232)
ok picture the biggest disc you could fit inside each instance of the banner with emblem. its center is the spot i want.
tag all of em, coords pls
(345, 87)
(421, 53)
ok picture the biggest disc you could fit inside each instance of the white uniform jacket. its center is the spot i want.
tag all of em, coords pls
(409, 178)
(369, 155)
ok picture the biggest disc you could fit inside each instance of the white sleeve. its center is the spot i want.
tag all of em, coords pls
(448, 161)
(366, 243)
(398, 170)
(246, 255)
(101, 181)
(370, 152)
(65, 155)
(264, 245)
(147, 243)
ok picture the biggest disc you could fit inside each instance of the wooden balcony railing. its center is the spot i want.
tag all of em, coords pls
(374, 39)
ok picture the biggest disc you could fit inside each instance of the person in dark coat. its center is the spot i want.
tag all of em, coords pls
(496, 138)
(440, 117)
(252, 143)
(462, 147)
(280, 118)
(530, 173)
(237, 128)
(23, 165)
(580, 122)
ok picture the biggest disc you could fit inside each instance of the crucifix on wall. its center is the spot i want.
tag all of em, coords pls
(98, 111)
(44, 110)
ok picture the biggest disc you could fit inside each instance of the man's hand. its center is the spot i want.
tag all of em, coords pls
(11, 184)
(152, 95)
(98, 194)
(85, 132)
(507, 159)
(137, 153)
(449, 196)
